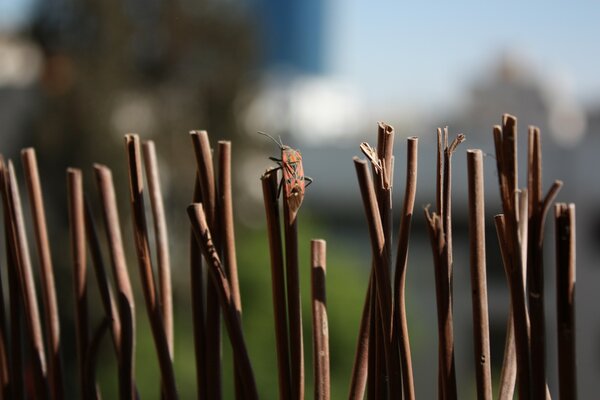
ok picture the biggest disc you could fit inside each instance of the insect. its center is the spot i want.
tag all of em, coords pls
(293, 181)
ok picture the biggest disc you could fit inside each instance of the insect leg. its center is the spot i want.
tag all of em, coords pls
(309, 180)
(277, 160)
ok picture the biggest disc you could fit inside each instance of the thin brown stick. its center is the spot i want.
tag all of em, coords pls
(206, 178)
(269, 186)
(232, 320)
(443, 262)
(374, 378)
(165, 292)
(16, 306)
(125, 301)
(320, 324)
(383, 192)
(157, 326)
(292, 276)
(23, 262)
(198, 305)
(382, 273)
(436, 238)
(5, 370)
(538, 209)
(516, 226)
(401, 266)
(535, 268)
(106, 296)
(78, 251)
(360, 366)
(508, 374)
(4, 352)
(565, 299)
(47, 273)
(91, 359)
(225, 206)
(481, 329)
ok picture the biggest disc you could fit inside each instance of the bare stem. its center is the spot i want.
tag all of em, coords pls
(401, 266)
(157, 326)
(47, 273)
(565, 299)
(481, 331)
(320, 324)
(78, 251)
(125, 301)
(269, 185)
(232, 320)
(162, 241)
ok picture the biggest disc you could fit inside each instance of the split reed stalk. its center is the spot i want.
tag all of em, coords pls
(382, 272)
(515, 221)
(49, 302)
(440, 234)
(269, 186)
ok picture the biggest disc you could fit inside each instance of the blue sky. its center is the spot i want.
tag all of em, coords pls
(427, 52)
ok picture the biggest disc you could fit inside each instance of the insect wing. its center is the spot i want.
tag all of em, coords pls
(293, 172)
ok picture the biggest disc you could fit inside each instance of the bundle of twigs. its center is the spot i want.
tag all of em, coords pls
(382, 365)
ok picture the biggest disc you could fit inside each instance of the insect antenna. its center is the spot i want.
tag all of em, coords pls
(280, 144)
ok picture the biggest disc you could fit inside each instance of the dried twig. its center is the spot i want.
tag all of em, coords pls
(515, 207)
(25, 274)
(165, 292)
(16, 305)
(198, 305)
(565, 299)
(206, 178)
(78, 251)
(47, 273)
(381, 267)
(269, 185)
(360, 366)
(157, 326)
(125, 302)
(401, 266)
(225, 206)
(292, 276)
(320, 322)
(508, 374)
(481, 330)
(106, 296)
(440, 234)
(232, 320)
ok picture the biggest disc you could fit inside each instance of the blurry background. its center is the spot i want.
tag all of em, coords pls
(75, 76)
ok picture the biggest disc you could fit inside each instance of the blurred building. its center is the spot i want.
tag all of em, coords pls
(292, 34)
